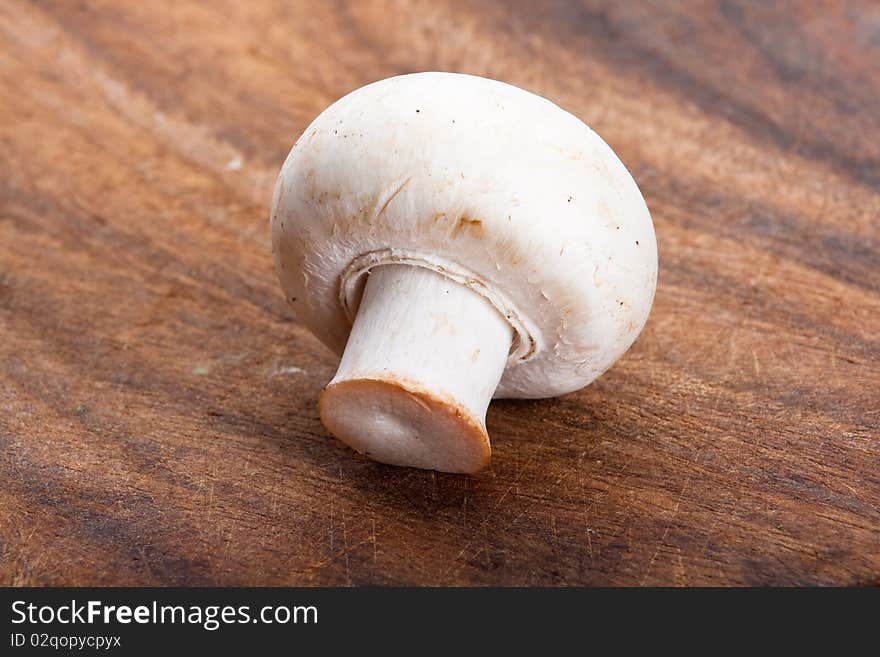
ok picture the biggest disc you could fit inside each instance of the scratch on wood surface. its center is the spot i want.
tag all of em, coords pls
(681, 574)
(454, 567)
(516, 518)
(320, 563)
(834, 371)
(662, 540)
(331, 529)
(346, 552)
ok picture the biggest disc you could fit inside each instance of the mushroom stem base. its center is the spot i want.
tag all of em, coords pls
(422, 362)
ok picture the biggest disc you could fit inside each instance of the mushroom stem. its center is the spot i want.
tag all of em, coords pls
(422, 362)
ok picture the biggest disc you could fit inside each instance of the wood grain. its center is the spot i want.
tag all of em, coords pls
(158, 418)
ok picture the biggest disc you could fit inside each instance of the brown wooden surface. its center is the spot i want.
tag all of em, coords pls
(158, 418)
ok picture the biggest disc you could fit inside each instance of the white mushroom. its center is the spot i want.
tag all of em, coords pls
(457, 239)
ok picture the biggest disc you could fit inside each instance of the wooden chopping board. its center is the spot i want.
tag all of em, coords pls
(158, 419)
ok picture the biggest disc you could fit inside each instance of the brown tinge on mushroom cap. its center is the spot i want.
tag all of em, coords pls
(399, 423)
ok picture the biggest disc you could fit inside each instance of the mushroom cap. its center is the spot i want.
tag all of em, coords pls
(493, 186)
